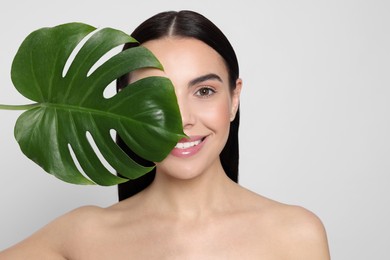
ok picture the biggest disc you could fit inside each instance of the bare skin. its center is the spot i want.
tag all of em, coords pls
(192, 210)
(237, 225)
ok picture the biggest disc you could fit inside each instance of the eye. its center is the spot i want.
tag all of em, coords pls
(205, 92)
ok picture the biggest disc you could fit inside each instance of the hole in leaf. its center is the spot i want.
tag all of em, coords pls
(99, 154)
(76, 162)
(76, 50)
(104, 58)
(110, 90)
(113, 134)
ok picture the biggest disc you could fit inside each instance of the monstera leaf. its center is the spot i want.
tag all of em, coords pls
(71, 107)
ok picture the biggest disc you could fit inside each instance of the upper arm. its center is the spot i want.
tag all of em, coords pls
(307, 236)
(52, 241)
(44, 244)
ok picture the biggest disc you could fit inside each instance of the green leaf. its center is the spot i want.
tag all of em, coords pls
(145, 114)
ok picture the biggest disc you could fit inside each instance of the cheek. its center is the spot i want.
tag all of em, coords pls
(216, 114)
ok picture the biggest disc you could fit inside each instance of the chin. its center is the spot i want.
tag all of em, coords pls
(180, 173)
(202, 162)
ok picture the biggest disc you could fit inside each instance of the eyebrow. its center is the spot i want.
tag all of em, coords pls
(210, 76)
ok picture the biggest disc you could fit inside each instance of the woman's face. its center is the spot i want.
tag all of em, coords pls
(206, 103)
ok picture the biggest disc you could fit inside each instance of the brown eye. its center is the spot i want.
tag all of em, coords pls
(205, 92)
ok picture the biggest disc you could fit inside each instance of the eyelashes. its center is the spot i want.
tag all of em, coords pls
(205, 92)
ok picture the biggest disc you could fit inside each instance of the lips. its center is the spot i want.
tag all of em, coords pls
(187, 147)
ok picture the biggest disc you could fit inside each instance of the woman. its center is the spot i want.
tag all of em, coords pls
(191, 207)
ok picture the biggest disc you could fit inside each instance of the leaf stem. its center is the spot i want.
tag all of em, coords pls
(18, 107)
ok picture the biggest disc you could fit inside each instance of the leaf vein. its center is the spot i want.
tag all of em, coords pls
(37, 85)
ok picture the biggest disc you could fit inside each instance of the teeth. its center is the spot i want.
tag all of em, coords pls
(187, 144)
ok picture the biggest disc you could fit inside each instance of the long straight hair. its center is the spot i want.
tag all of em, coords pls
(187, 24)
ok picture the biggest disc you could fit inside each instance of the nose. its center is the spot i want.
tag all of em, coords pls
(187, 115)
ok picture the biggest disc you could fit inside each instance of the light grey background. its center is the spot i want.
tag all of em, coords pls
(315, 111)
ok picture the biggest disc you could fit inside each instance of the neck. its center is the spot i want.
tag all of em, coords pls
(190, 198)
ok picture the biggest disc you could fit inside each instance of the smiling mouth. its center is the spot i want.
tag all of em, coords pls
(186, 145)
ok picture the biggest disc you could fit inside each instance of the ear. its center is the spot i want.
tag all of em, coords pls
(236, 99)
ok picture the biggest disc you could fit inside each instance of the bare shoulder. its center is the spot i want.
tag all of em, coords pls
(302, 225)
(297, 230)
(305, 234)
(54, 240)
